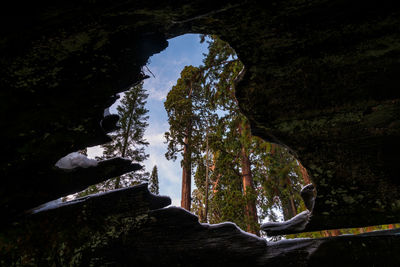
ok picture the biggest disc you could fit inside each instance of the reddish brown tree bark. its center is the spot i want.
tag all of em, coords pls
(304, 173)
(206, 193)
(248, 188)
(186, 178)
(186, 198)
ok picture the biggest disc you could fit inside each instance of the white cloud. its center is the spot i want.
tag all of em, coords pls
(168, 171)
(182, 61)
(158, 88)
(157, 94)
(156, 140)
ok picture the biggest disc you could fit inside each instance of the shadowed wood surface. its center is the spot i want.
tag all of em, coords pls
(131, 226)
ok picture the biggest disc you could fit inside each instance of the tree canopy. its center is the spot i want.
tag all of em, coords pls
(238, 177)
(128, 141)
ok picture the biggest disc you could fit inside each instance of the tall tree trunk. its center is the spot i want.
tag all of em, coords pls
(287, 208)
(248, 188)
(215, 183)
(187, 163)
(293, 206)
(186, 176)
(304, 173)
(206, 193)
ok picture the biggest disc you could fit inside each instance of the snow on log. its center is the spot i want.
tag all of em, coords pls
(75, 160)
(294, 225)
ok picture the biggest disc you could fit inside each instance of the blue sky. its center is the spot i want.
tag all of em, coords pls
(166, 66)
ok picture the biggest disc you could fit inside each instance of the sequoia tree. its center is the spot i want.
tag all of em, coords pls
(238, 177)
(223, 71)
(185, 133)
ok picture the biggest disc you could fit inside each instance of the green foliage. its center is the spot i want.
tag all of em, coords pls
(276, 174)
(189, 115)
(207, 128)
(279, 180)
(153, 181)
(128, 141)
(184, 104)
(198, 194)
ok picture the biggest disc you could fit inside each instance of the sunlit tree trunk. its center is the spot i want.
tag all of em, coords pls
(206, 193)
(248, 188)
(187, 163)
(186, 176)
(304, 173)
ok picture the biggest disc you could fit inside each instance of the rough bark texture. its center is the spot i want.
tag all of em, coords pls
(248, 189)
(322, 78)
(207, 180)
(186, 194)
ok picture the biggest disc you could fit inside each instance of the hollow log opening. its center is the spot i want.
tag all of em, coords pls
(321, 79)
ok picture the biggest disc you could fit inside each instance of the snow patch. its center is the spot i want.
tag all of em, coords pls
(49, 205)
(295, 224)
(94, 151)
(75, 160)
(218, 225)
(106, 112)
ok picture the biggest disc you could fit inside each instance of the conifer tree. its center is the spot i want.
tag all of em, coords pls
(222, 68)
(128, 141)
(185, 134)
(238, 177)
(153, 181)
(249, 179)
